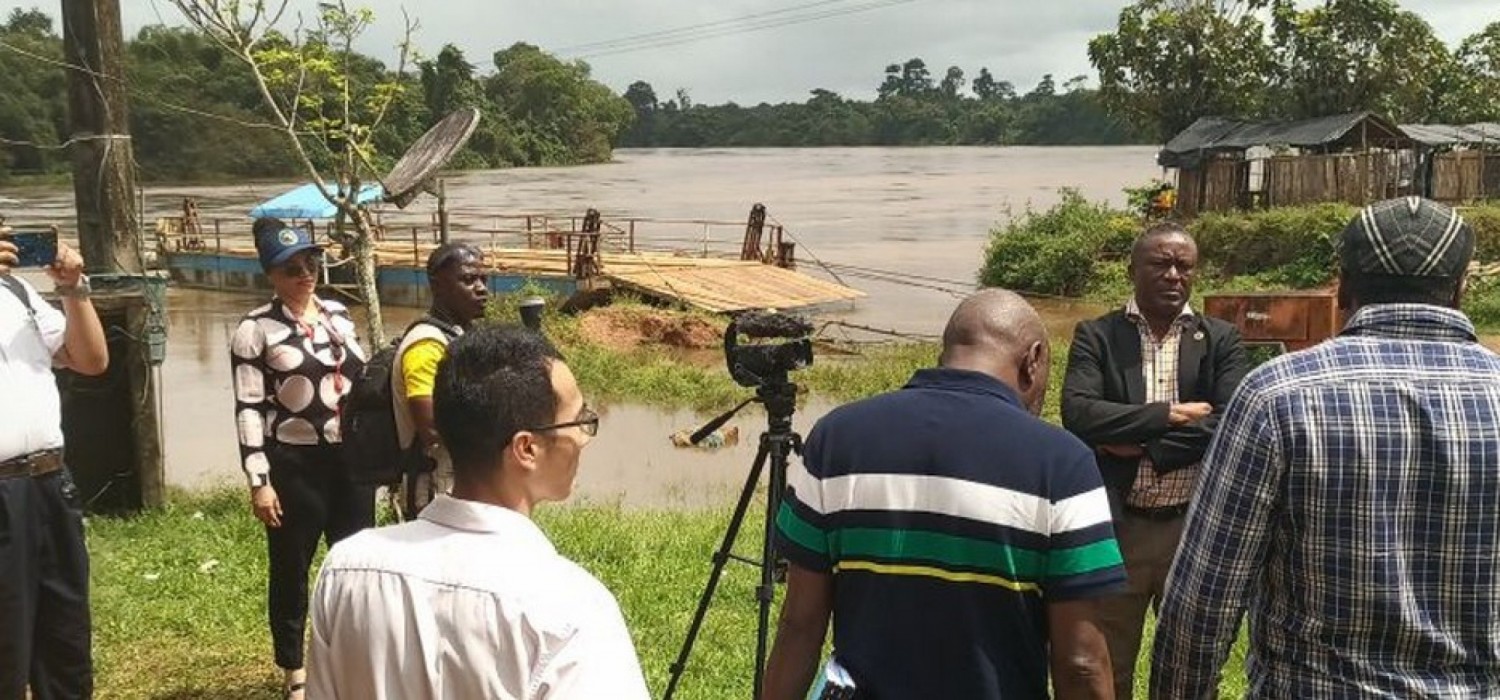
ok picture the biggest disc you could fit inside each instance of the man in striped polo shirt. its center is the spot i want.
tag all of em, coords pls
(956, 539)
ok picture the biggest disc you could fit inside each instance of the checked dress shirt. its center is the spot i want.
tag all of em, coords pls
(1159, 359)
(1350, 500)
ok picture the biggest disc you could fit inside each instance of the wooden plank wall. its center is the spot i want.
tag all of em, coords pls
(1222, 185)
(1356, 178)
(1456, 176)
(1490, 175)
(1189, 192)
(1464, 176)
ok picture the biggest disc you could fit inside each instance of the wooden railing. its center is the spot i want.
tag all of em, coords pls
(566, 232)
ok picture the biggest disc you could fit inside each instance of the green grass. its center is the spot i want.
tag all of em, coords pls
(165, 629)
(697, 380)
(672, 378)
(658, 377)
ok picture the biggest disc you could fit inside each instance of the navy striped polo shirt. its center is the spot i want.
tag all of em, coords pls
(948, 515)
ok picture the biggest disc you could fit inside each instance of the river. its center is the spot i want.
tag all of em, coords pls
(919, 211)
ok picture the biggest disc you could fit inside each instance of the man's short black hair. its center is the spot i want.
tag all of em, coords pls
(451, 254)
(1368, 288)
(494, 382)
(1155, 231)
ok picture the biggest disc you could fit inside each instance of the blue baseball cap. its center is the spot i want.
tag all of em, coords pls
(276, 242)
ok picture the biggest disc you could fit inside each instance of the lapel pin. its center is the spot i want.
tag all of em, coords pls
(1198, 335)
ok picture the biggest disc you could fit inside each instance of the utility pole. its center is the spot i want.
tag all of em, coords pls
(115, 438)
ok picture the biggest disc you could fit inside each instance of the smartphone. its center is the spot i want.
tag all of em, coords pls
(35, 248)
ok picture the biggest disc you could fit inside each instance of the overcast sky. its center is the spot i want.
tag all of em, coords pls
(841, 45)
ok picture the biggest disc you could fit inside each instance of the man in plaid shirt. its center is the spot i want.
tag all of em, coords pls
(1351, 499)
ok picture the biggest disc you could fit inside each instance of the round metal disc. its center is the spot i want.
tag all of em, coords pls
(428, 155)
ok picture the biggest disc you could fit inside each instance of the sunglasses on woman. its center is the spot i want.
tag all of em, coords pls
(302, 265)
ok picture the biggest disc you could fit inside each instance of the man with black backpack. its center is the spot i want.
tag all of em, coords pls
(457, 280)
(389, 437)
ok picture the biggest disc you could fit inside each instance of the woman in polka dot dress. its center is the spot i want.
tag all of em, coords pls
(293, 359)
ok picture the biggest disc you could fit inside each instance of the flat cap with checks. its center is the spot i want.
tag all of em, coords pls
(1407, 237)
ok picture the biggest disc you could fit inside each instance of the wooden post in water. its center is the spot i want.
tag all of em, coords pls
(122, 405)
(750, 246)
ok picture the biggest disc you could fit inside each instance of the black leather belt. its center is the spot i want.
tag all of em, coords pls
(1162, 513)
(34, 464)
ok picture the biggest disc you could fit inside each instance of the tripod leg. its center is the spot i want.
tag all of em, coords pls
(721, 557)
(766, 593)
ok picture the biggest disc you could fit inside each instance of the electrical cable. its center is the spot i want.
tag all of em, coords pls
(753, 26)
(664, 33)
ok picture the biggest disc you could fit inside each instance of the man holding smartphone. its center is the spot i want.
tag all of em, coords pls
(44, 603)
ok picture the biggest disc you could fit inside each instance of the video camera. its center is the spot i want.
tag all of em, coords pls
(764, 367)
(758, 364)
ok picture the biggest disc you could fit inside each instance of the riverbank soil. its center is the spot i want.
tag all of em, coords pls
(626, 328)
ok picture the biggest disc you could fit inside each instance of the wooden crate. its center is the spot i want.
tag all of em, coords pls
(1297, 320)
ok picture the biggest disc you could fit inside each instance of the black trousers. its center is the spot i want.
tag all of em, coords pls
(318, 501)
(44, 590)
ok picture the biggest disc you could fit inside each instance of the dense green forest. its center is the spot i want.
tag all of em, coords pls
(1169, 62)
(912, 108)
(196, 113)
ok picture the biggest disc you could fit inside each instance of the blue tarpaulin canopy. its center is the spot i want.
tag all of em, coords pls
(306, 202)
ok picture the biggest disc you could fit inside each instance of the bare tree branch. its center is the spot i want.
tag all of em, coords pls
(401, 65)
(241, 30)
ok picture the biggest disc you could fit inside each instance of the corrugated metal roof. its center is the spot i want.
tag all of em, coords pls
(1220, 134)
(1448, 135)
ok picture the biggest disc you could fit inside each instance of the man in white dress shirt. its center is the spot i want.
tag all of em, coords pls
(44, 568)
(471, 600)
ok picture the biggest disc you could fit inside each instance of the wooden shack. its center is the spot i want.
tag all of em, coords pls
(1225, 164)
(1458, 163)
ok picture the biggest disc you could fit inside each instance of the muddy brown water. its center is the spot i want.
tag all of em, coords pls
(917, 211)
(631, 462)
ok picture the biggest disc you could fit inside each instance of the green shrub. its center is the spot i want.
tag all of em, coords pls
(1081, 248)
(1055, 251)
(1485, 220)
(1482, 301)
(1290, 246)
(1111, 280)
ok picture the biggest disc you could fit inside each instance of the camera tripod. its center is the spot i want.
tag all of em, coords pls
(776, 444)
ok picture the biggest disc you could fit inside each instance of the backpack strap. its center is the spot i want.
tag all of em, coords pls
(448, 329)
(445, 333)
(14, 285)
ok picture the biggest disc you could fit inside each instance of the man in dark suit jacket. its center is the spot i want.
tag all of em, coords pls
(1145, 387)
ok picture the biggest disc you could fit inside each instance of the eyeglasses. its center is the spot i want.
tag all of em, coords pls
(587, 420)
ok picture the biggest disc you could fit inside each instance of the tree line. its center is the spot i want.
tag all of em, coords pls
(195, 112)
(1169, 62)
(912, 107)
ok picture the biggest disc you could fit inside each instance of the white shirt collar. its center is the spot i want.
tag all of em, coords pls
(473, 516)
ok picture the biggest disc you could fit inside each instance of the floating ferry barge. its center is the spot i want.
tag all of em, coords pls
(564, 255)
